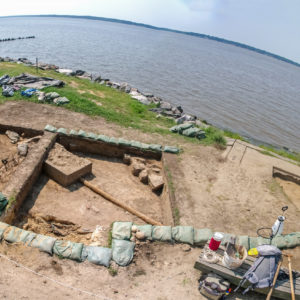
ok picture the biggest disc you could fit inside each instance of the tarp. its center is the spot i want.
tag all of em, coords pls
(3, 203)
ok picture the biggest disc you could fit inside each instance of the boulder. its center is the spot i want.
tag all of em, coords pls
(156, 181)
(51, 96)
(127, 159)
(137, 168)
(23, 149)
(143, 176)
(165, 105)
(68, 72)
(142, 99)
(61, 100)
(41, 96)
(13, 136)
(140, 235)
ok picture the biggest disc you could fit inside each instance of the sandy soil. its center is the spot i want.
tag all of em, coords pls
(236, 194)
(159, 272)
(292, 191)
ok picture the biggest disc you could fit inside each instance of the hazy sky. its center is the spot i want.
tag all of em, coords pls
(272, 25)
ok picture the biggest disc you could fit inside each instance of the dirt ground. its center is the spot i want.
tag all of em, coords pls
(159, 272)
(236, 194)
(84, 208)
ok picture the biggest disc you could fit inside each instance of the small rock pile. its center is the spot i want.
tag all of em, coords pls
(148, 173)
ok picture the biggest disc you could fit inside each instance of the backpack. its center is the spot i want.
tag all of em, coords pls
(212, 286)
(261, 273)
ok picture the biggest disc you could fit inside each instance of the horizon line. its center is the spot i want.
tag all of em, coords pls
(190, 33)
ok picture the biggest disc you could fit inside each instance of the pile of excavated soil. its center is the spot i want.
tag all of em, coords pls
(64, 160)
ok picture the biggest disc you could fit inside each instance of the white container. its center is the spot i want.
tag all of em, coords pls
(277, 228)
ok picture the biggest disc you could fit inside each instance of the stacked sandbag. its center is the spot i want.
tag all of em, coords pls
(114, 141)
(121, 230)
(122, 252)
(67, 249)
(97, 255)
(183, 234)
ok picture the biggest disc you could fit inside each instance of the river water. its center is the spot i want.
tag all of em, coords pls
(230, 87)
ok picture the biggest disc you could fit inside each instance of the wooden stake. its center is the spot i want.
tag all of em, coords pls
(291, 275)
(119, 203)
(274, 280)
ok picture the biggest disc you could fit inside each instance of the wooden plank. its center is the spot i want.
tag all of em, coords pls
(282, 288)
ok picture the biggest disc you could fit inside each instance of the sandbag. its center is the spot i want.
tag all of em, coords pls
(121, 230)
(82, 133)
(191, 132)
(7, 91)
(122, 252)
(62, 131)
(180, 128)
(156, 148)
(97, 255)
(92, 136)
(243, 240)
(73, 132)
(61, 100)
(170, 149)
(253, 242)
(135, 144)
(144, 146)
(50, 128)
(3, 227)
(67, 249)
(43, 243)
(183, 234)
(162, 233)
(3, 203)
(113, 141)
(201, 236)
(124, 142)
(146, 229)
(18, 235)
(103, 138)
(292, 239)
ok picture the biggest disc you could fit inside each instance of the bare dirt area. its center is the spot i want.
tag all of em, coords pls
(292, 191)
(236, 194)
(9, 160)
(158, 272)
(76, 210)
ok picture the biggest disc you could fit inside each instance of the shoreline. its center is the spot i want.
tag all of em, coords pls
(161, 107)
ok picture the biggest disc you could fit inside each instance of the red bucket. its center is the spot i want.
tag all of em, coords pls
(215, 241)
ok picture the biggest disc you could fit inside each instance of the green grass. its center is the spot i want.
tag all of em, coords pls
(176, 216)
(215, 136)
(233, 135)
(281, 152)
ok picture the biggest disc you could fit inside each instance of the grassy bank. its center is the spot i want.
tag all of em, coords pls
(114, 106)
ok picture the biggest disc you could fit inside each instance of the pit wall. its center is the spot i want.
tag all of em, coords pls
(19, 186)
(23, 131)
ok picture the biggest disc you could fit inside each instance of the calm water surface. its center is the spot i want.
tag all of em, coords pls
(230, 87)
